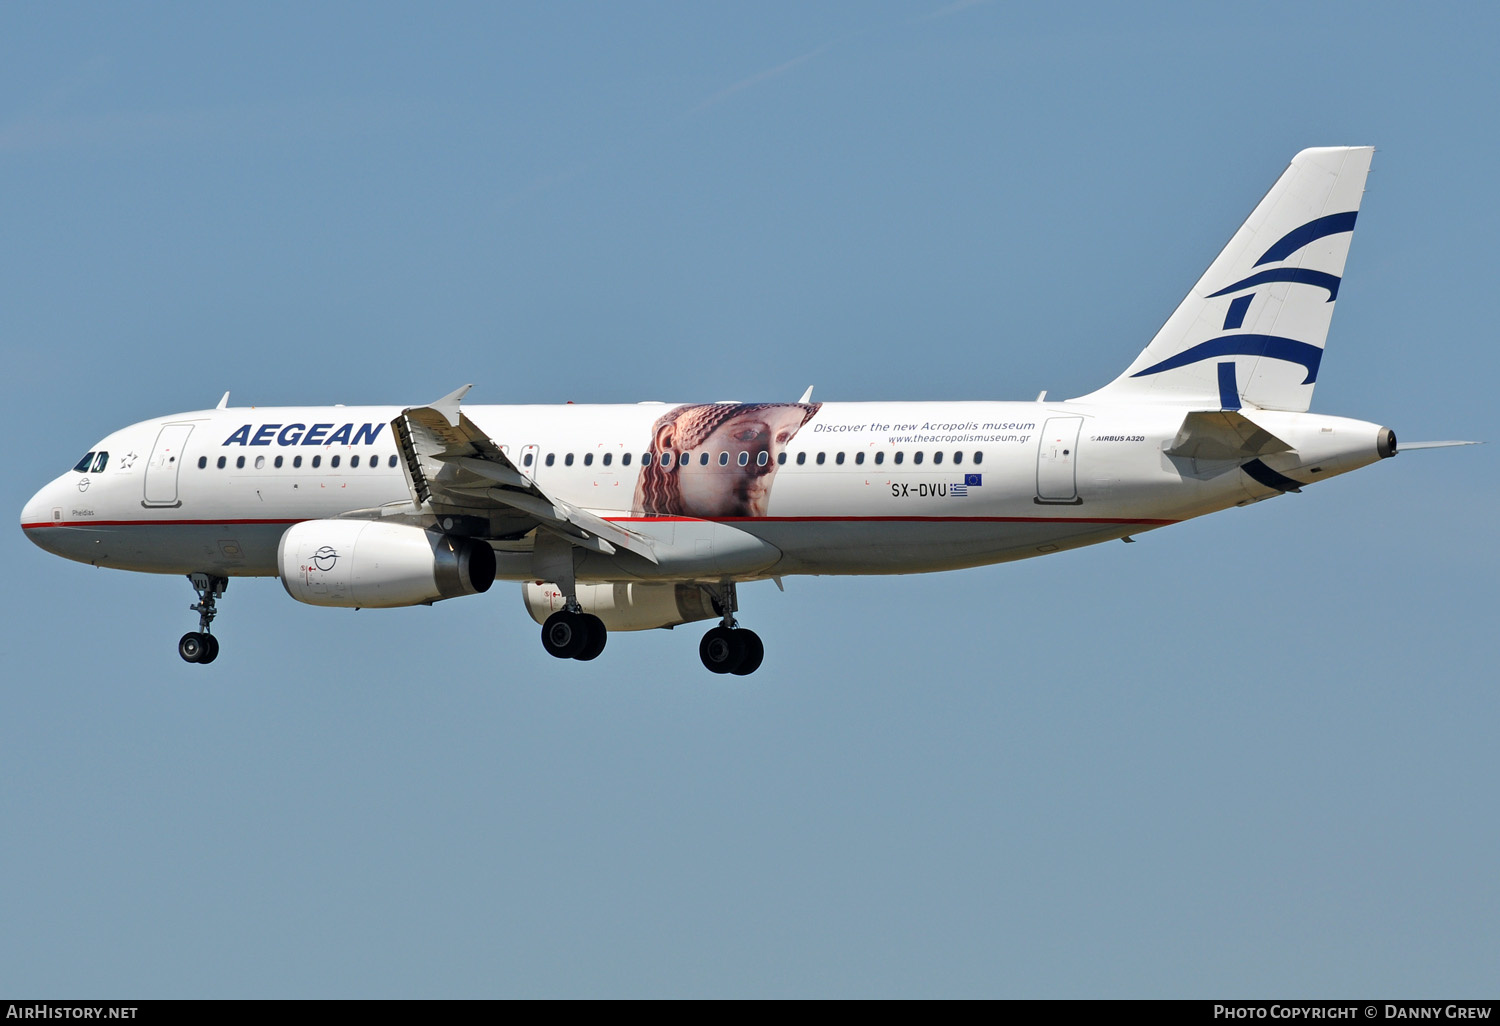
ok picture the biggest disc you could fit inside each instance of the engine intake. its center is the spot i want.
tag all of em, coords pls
(369, 564)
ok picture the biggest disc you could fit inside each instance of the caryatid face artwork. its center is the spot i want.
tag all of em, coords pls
(742, 442)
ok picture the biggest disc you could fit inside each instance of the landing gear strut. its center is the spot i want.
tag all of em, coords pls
(569, 633)
(200, 646)
(730, 648)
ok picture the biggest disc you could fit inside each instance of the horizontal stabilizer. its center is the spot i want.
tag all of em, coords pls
(1223, 435)
(1409, 446)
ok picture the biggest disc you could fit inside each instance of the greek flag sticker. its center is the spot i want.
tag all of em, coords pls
(970, 481)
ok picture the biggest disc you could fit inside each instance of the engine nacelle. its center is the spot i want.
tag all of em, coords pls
(366, 563)
(626, 606)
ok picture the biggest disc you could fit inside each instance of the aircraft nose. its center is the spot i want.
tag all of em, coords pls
(38, 513)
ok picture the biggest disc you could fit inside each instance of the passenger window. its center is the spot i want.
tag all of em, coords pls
(568, 460)
(879, 458)
(260, 463)
(526, 461)
(221, 462)
(317, 461)
(859, 458)
(801, 458)
(900, 456)
(278, 462)
(645, 458)
(762, 458)
(100, 462)
(393, 461)
(839, 459)
(202, 462)
(821, 458)
(83, 465)
(917, 456)
(333, 462)
(609, 458)
(703, 459)
(625, 460)
(723, 459)
(781, 458)
(685, 459)
(353, 462)
(375, 461)
(978, 458)
(296, 461)
(666, 459)
(239, 463)
(588, 459)
(551, 458)
(937, 457)
(744, 459)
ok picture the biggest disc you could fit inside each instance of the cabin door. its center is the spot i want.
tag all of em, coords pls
(166, 461)
(1057, 461)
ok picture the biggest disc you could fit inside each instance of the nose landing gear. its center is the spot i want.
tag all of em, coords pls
(200, 646)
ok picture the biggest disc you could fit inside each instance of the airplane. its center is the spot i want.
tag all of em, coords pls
(635, 517)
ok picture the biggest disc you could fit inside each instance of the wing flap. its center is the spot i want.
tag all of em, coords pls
(453, 466)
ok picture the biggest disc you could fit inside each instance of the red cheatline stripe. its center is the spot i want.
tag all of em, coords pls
(661, 520)
(879, 520)
(154, 523)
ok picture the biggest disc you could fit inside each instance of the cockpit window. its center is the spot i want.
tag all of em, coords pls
(83, 464)
(99, 462)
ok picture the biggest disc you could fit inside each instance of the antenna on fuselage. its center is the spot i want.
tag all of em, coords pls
(806, 396)
(223, 402)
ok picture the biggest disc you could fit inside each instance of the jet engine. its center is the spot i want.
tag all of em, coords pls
(366, 563)
(626, 606)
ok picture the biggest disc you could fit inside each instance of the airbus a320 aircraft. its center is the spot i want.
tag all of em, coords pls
(635, 517)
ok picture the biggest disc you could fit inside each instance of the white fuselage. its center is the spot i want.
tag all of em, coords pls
(860, 488)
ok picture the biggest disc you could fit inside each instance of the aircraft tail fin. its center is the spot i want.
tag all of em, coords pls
(1251, 332)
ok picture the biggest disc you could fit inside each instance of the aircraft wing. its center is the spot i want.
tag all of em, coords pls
(452, 467)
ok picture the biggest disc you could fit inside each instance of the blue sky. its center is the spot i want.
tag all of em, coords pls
(1252, 755)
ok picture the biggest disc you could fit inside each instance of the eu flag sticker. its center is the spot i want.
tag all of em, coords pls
(973, 480)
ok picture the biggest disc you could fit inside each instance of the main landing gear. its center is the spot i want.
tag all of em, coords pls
(573, 634)
(730, 648)
(736, 650)
(570, 633)
(200, 646)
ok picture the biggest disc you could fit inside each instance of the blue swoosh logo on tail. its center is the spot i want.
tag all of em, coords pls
(1310, 232)
(1300, 275)
(1274, 346)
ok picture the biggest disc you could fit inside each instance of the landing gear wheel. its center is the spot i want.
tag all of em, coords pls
(754, 652)
(564, 635)
(723, 650)
(597, 633)
(210, 649)
(191, 647)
